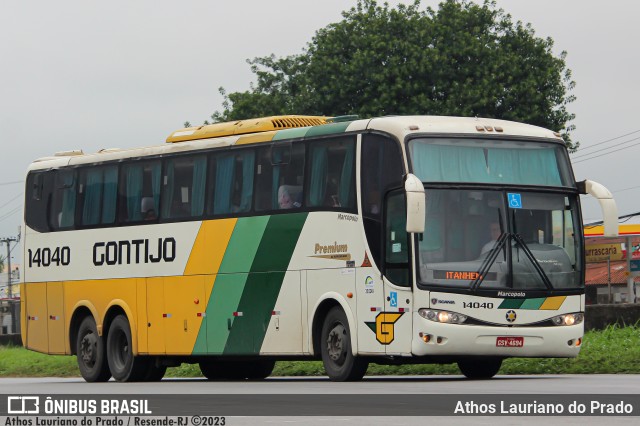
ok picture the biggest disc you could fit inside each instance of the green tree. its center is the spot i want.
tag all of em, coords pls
(461, 59)
(1, 263)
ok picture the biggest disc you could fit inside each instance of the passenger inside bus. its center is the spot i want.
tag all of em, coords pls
(290, 196)
(147, 207)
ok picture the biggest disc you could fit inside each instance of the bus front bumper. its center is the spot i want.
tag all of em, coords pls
(433, 338)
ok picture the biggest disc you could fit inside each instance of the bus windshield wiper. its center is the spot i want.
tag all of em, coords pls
(533, 260)
(490, 259)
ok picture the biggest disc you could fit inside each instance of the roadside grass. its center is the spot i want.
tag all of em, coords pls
(614, 350)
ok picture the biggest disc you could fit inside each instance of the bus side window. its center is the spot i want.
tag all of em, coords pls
(63, 204)
(279, 177)
(380, 170)
(38, 188)
(332, 174)
(232, 174)
(183, 187)
(397, 240)
(98, 194)
(140, 191)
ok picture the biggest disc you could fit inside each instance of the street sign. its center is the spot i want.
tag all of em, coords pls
(635, 265)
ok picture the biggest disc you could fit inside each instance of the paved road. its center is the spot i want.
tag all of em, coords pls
(388, 385)
(535, 384)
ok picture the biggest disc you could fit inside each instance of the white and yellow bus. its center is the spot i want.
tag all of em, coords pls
(389, 240)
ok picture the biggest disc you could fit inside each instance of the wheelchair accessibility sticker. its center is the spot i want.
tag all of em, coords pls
(393, 299)
(515, 200)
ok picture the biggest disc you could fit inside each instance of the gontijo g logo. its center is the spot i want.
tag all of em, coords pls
(384, 326)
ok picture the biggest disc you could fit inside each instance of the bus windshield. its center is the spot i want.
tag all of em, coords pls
(489, 161)
(500, 239)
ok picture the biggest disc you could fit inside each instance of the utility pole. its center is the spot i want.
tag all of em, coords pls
(12, 309)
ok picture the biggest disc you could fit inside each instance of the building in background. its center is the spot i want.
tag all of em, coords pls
(612, 264)
(10, 300)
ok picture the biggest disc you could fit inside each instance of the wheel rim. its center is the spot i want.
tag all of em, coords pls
(89, 349)
(336, 344)
(121, 352)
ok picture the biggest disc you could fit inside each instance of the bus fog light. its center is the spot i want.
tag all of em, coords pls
(425, 337)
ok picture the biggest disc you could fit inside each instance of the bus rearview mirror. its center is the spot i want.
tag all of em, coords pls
(416, 204)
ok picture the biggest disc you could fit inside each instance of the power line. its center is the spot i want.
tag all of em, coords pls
(608, 140)
(600, 222)
(604, 149)
(10, 183)
(606, 153)
(14, 198)
(10, 213)
(626, 189)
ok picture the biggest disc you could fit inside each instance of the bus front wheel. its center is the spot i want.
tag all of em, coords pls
(335, 347)
(236, 370)
(124, 366)
(480, 369)
(91, 353)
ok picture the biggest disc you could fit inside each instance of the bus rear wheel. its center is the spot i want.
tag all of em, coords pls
(91, 353)
(124, 366)
(480, 369)
(155, 371)
(335, 347)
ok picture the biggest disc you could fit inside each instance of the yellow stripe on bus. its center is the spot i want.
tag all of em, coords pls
(255, 138)
(553, 303)
(210, 246)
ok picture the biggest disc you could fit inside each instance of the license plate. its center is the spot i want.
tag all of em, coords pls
(510, 342)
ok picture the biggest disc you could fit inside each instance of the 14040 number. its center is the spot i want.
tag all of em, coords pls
(44, 257)
(477, 305)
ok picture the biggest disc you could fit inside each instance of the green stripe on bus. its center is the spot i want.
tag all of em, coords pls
(328, 129)
(299, 132)
(244, 244)
(264, 283)
(229, 284)
(533, 304)
(511, 303)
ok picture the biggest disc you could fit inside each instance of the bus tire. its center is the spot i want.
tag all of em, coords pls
(219, 370)
(91, 352)
(123, 365)
(480, 369)
(155, 371)
(260, 369)
(335, 347)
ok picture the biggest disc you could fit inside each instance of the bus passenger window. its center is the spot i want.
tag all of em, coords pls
(183, 187)
(63, 207)
(98, 192)
(233, 187)
(332, 176)
(38, 196)
(279, 176)
(139, 181)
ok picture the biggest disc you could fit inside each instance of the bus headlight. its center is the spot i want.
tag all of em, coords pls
(568, 319)
(442, 316)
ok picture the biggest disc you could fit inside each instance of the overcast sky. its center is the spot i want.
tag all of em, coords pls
(88, 74)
